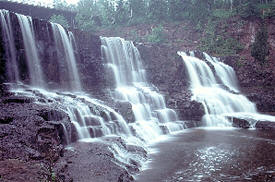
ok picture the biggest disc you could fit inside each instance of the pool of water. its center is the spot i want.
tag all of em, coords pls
(212, 155)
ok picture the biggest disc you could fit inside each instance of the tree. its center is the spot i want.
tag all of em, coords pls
(200, 10)
(249, 9)
(86, 9)
(158, 10)
(122, 14)
(107, 11)
(177, 9)
(60, 20)
(60, 4)
(138, 10)
(260, 48)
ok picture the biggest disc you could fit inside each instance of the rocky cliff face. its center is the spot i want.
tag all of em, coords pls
(256, 80)
(87, 51)
(166, 70)
(32, 137)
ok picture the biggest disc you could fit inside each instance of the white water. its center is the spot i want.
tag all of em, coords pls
(33, 61)
(152, 118)
(66, 44)
(12, 67)
(89, 116)
(218, 92)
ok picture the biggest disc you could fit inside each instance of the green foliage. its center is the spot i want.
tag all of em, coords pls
(138, 11)
(158, 10)
(97, 13)
(249, 9)
(177, 9)
(85, 18)
(199, 11)
(239, 63)
(260, 48)
(157, 35)
(268, 10)
(219, 43)
(135, 36)
(222, 13)
(121, 14)
(63, 5)
(60, 20)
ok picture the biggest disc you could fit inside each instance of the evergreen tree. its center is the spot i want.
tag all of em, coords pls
(260, 48)
(122, 15)
(177, 9)
(138, 10)
(158, 10)
(86, 10)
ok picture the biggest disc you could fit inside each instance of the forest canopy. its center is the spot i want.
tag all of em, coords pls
(101, 13)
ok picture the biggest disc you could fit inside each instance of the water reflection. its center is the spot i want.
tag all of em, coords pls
(215, 156)
(242, 156)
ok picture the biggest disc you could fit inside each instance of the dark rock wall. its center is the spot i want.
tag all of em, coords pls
(87, 52)
(90, 64)
(2, 60)
(165, 70)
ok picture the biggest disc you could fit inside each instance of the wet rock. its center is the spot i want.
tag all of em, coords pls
(96, 131)
(191, 111)
(192, 124)
(12, 170)
(240, 123)
(265, 125)
(92, 120)
(125, 109)
(52, 115)
(199, 54)
(18, 99)
(4, 89)
(5, 120)
(164, 129)
(97, 162)
(264, 100)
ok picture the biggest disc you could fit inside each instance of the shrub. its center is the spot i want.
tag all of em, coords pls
(222, 13)
(157, 35)
(219, 43)
(60, 20)
(249, 9)
(260, 48)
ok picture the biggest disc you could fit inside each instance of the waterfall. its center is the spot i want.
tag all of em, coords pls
(218, 91)
(12, 67)
(152, 117)
(90, 117)
(33, 61)
(66, 45)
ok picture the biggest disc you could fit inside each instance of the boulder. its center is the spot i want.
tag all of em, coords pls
(240, 123)
(18, 99)
(265, 125)
(52, 114)
(125, 109)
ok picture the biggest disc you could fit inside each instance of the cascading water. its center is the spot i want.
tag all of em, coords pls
(90, 118)
(65, 43)
(152, 118)
(68, 73)
(218, 91)
(33, 61)
(12, 67)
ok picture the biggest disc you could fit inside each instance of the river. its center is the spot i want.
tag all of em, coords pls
(212, 155)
